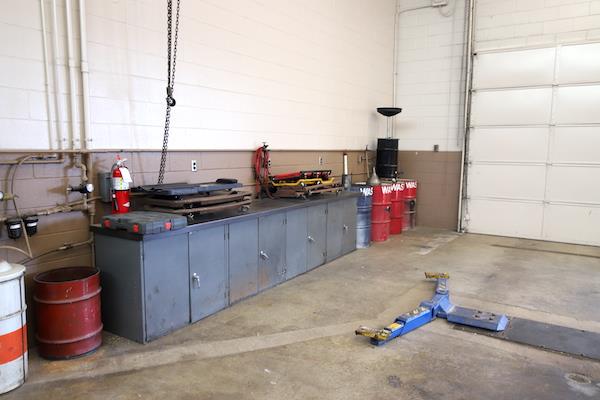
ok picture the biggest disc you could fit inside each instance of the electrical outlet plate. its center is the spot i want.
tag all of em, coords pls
(194, 165)
(320, 160)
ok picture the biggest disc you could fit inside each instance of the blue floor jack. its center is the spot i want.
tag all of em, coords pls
(439, 306)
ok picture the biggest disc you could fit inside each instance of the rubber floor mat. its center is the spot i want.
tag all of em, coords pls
(558, 338)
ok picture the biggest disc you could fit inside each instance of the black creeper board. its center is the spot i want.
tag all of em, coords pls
(558, 338)
(187, 189)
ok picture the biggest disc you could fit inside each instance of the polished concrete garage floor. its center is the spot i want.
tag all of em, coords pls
(297, 341)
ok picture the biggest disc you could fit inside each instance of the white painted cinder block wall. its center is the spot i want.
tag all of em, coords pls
(429, 80)
(430, 56)
(299, 74)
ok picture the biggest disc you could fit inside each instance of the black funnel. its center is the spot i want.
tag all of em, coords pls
(389, 111)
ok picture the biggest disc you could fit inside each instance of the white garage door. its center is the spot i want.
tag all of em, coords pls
(534, 146)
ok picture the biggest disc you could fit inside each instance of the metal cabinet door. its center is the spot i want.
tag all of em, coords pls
(271, 245)
(317, 235)
(243, 259)
(121, 268)
(208, 272)
(296, 243)
(349, 226)
(335, 215)
(166, 285)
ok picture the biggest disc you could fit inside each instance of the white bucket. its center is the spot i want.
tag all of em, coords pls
(13, 327)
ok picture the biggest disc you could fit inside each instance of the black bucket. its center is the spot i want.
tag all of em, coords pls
(386, 165)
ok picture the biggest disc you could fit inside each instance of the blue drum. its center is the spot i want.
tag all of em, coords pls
(363, 217)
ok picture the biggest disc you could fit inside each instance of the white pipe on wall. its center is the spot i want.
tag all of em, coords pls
(72, 76)
(51, 118)
(85, 93)
(85, 75)
(57, 91)
(470, 20)
(395, 60)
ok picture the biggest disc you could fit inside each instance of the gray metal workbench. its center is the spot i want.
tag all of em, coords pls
(155, 284)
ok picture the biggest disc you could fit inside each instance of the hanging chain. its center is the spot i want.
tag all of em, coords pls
(171, 64)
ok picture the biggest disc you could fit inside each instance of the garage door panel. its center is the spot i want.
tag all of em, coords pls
(579, 63)
(509, 144)
(511, 107)
(507, 181)
(515, 68)
(574, 184)
(577, 105)
(505, 218)
(572, 224)
(534, 145)
(576, 144)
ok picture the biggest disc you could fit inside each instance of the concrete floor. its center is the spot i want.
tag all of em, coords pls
(296, 341)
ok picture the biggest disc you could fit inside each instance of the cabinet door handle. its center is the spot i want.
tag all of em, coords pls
(196, 279)
(311, 239)
(264, 255)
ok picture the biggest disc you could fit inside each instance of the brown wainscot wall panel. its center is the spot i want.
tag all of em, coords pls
(438, 174)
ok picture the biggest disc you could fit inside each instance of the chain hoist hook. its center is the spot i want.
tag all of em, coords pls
(170, 99)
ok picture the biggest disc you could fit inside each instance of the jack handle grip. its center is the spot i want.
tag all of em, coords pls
(437, 275)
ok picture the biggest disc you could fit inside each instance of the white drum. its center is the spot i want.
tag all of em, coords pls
(13, 328)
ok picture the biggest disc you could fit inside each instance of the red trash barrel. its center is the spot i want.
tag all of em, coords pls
(381, 213)
(67, 310)
(410, 203)
(397, 208)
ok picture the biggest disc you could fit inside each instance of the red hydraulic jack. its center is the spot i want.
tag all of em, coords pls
(439, 306)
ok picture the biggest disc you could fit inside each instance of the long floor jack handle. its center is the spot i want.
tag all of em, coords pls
(438, 306)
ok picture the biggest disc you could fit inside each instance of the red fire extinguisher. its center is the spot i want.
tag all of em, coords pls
(121, 178)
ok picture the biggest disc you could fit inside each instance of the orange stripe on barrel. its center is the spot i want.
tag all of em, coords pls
(13, 345)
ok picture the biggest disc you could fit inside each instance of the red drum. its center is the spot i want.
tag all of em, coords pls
(410, 203)
(68, 312)
(410, 187)
(381, 213)
(397, 212)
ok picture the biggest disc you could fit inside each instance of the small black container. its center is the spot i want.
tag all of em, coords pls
(412, 205)
(31, 225)
(14, 228)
